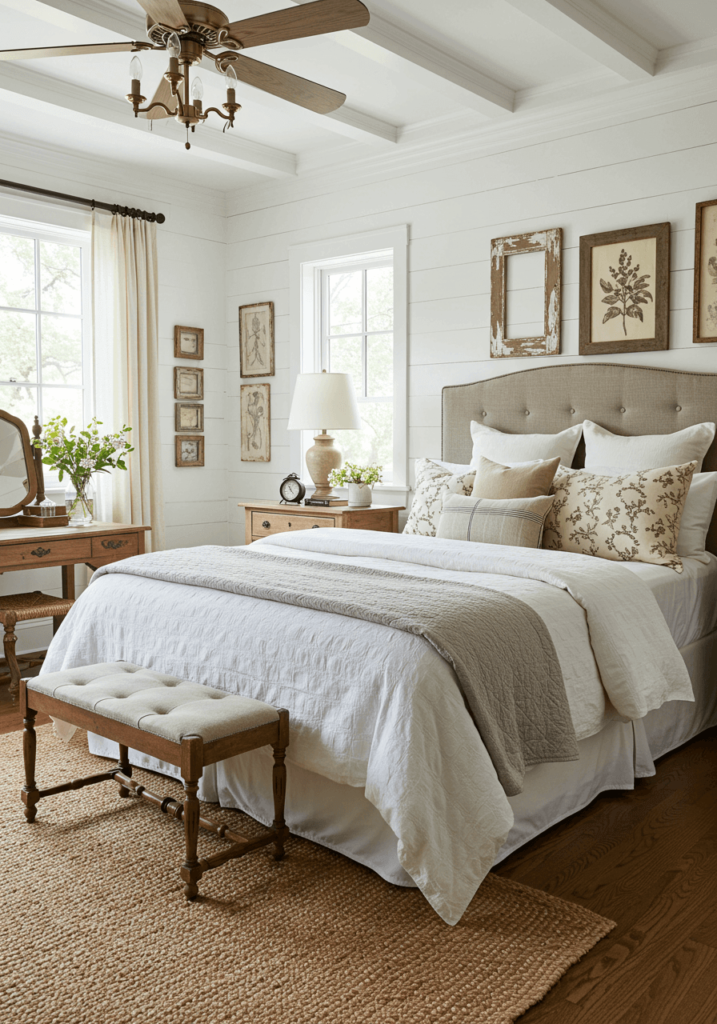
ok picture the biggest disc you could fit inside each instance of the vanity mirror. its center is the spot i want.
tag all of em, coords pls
(21, 477)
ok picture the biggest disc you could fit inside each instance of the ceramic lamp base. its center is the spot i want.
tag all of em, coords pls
(321, 458)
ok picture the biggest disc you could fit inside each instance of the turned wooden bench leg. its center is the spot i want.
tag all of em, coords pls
(279, 783)
(9, 641)
(192, 758)
(125, 767)
(30, 792)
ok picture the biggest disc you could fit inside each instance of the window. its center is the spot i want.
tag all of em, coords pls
(43, 324)
(357, 338)
(348, 302)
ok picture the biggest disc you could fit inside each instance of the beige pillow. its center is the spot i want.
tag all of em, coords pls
(517, 522)
(630, 518)
(496, 481)
(433, 483)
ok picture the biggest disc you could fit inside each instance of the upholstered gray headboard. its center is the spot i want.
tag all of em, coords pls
(544, 400)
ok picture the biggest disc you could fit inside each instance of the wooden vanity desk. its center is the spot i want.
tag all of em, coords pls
(65, 546)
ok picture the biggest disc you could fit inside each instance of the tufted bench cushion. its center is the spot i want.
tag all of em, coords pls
(156, 703)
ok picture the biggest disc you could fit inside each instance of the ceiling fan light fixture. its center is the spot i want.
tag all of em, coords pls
(135, 69)
(174, 47)
(197, 89)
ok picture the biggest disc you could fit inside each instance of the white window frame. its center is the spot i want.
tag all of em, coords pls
(80, 238)
(307, 262)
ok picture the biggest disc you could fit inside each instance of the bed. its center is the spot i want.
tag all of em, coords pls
(386, 766)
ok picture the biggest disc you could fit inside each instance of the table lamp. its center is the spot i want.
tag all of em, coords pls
(324, 401)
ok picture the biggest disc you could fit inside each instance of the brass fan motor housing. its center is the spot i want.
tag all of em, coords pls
(207, 27)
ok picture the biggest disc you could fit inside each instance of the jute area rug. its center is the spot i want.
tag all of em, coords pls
(95, 928)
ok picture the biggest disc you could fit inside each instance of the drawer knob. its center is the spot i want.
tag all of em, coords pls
(40, 552)
(266, 524)
(113, 545)
(315, 526)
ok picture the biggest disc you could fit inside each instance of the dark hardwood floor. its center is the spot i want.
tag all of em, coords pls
(648, 860)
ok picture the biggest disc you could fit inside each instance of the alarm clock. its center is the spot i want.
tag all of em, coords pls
(292, 490)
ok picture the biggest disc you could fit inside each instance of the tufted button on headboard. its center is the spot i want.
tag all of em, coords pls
(624, 399)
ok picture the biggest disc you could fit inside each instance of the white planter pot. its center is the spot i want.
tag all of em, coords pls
(359, 495)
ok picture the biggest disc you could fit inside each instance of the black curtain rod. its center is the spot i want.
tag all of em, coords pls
(124, 211)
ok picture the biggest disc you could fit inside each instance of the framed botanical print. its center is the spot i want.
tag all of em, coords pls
(189, 451)
(625, 290)
(188, 382)
(705, 308)
(255, 405)
(188, 417)
(189, 343)
(543, 245)
(256, 340)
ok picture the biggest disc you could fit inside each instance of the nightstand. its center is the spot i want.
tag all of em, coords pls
(265, 518)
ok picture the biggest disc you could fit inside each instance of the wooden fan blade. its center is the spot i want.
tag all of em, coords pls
(65, 51)
(162, 95)
(298, 22)
(289, 87)
(164, 12)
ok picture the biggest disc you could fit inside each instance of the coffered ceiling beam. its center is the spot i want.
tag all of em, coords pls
(394, 47)
(596, 33)
(345, 121)
(44, 93)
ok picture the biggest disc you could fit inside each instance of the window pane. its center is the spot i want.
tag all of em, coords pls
(60, 279)
(373, 444)
(20, 402)
(379, 371)
(18, 357)
(61, 347)
(345, 357)
(379, 299)
(345, 298)
(17, 272)
(63, 402)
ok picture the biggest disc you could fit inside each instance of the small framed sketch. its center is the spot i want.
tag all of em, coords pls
(189, 451)
(705, 308)
(188, 382)
(541, 284)
(255, 422)
(189, 343)
(256, 340)
(625, 290)
(188, 417)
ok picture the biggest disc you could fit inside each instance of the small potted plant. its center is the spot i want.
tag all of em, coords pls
(360, 480)
(80, 455)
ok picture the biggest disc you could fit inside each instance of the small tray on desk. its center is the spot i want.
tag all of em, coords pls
(28, 519)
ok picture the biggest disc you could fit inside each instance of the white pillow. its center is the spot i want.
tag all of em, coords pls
(697, 516)
(614, 455)
(514, 449)
(433, 483)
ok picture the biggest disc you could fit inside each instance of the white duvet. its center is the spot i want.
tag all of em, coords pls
(379, 709)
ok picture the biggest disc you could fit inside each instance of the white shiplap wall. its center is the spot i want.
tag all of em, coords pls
(646, 170)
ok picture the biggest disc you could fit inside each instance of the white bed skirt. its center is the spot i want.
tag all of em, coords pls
(341, 818)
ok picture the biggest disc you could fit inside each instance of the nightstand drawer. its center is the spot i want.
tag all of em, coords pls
(264, 524)
(115, 547)
(51, 552)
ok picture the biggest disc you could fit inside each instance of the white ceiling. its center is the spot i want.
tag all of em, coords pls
(419, 67)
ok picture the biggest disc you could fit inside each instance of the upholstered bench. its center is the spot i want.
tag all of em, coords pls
(185, 724)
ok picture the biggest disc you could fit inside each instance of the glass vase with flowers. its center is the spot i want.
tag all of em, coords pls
(77, 455)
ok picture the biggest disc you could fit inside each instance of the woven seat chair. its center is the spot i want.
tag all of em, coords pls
(21, 607)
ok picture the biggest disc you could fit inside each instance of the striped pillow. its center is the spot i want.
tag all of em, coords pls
(517, 522)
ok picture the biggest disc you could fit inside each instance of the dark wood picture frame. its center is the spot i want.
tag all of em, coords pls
(245, 338)
(198, 409)
(183, 372)
(179, 353)
(255, 426)
(548, 344)
(186, 439)
(701, 257)
(658, 287)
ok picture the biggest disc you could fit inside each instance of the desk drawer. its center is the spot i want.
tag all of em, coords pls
(264, 524)
(113, 548)
(51, 552)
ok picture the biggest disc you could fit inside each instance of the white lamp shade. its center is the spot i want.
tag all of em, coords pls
(324, 401)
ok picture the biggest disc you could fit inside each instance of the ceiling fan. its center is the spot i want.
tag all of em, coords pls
(189, 30)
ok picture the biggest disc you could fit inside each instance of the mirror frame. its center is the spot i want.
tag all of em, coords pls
(29, 462)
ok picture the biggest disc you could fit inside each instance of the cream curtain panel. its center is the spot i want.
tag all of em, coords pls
(125, 339)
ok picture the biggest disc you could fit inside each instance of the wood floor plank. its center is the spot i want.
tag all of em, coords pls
(680, 991)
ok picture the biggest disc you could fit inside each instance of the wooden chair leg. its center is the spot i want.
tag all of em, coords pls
(9, 641)
(125, 767)
(191, 871)
(279, 787)
(30, 792)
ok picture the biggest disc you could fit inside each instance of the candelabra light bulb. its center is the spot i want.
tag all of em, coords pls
(197, 89)
(174, 47)
(232, 76)
(135, 69)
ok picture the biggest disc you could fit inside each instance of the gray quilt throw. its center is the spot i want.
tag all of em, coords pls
(498, 647)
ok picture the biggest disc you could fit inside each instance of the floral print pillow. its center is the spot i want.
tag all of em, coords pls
(433, 483)
(630, 518)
